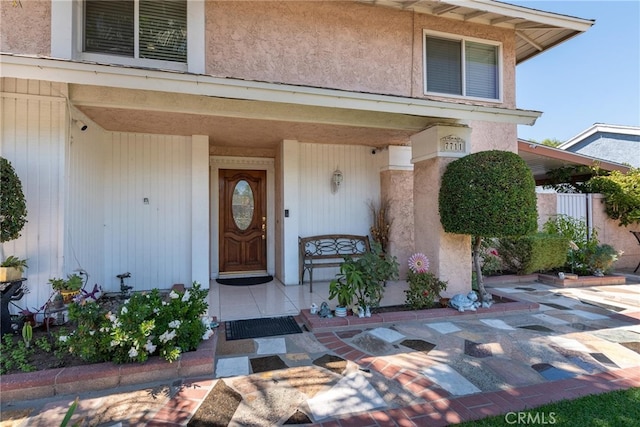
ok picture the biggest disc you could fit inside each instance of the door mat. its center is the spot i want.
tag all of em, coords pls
(245, 281)
(258, 328)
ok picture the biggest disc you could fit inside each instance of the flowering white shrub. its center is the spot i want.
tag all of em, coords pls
(147, 324)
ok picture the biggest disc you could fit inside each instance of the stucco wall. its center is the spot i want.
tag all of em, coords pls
(327, 44)
(619, 237)
(493, 136)
(26, 28)
(397, 187)
(547, 207)
(342, 45)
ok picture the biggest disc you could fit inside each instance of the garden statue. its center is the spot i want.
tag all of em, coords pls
(464, 302)
(324, 310)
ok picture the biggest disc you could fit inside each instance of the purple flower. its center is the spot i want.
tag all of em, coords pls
(419, 263)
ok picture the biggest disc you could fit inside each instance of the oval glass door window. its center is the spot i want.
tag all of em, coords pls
(242, 205)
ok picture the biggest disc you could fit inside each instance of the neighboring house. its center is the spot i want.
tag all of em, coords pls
(132, 125)
(620, 144)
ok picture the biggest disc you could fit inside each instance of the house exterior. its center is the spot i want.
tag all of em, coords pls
(140, 129)
(615, 143)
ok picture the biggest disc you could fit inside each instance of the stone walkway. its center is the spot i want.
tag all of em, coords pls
(438, 371)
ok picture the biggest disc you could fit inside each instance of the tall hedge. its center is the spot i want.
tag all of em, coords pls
(13, 209)
(488, 194)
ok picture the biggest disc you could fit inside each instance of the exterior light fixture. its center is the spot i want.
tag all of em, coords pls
(336, 180)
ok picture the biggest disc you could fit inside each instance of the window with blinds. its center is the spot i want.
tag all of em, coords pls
(462, 67)
(150, 29)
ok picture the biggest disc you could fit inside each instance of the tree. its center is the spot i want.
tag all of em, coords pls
(621, 195)
(488, 194)
(13, 209)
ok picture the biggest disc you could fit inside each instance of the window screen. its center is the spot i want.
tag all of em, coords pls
(109, 27)
(444, 64)
(481, 70)
(162, 28)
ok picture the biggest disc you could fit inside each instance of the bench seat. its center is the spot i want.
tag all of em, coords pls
(328, 250)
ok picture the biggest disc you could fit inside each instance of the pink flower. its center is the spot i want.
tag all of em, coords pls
(419, 263)
(494, 252)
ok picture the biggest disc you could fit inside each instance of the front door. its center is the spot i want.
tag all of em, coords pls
(243, 220)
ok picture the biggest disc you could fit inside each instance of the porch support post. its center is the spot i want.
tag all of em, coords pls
(396, 186)
(290, 205)
(200, 232)
(449, 254)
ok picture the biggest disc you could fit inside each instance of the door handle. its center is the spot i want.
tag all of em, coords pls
(264, 227)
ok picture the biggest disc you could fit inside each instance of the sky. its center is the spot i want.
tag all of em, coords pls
(591, 78)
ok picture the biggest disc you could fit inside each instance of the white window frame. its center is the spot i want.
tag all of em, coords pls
(463, 39)
(67, 40)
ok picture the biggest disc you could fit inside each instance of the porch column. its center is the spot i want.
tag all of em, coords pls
(449, 254)
(200, 233)
(396, 186)
(289, 212)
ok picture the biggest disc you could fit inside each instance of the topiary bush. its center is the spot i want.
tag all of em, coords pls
(488, 194)
(13, 208)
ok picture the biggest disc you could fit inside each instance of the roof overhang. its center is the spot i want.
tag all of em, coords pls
(541, 159)
(74, 72)
(536, 30)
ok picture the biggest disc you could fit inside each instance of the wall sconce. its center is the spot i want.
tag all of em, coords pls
(336, 180)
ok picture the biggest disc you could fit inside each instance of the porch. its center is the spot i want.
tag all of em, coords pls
(273, 299)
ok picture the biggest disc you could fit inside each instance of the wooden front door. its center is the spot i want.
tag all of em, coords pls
(243, 220)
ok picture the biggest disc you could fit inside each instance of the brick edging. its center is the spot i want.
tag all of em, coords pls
(315, 323)
(100, 376)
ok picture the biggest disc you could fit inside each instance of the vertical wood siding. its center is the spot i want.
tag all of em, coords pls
(84, 209)
(152, 241)
(32, 130)
(347, 210)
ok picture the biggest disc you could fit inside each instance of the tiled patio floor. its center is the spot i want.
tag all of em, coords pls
(435, 371)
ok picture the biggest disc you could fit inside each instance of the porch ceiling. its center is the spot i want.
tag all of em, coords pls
(241, 123)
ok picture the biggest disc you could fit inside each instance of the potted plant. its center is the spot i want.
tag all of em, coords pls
(364, 279)
(68, 288)
(12, 268)
(601, 259)
(343, 287)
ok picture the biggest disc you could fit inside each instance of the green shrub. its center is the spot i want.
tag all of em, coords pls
(488, 194)
(424, 286)
(584, 241)
(13, 209)
(537, 252)
(145, 324)
(424, 290)
(601, 260)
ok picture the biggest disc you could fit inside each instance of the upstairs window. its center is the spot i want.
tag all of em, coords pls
(139, 29)
(462, 68)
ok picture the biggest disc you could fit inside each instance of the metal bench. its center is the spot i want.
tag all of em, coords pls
(328, 250)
